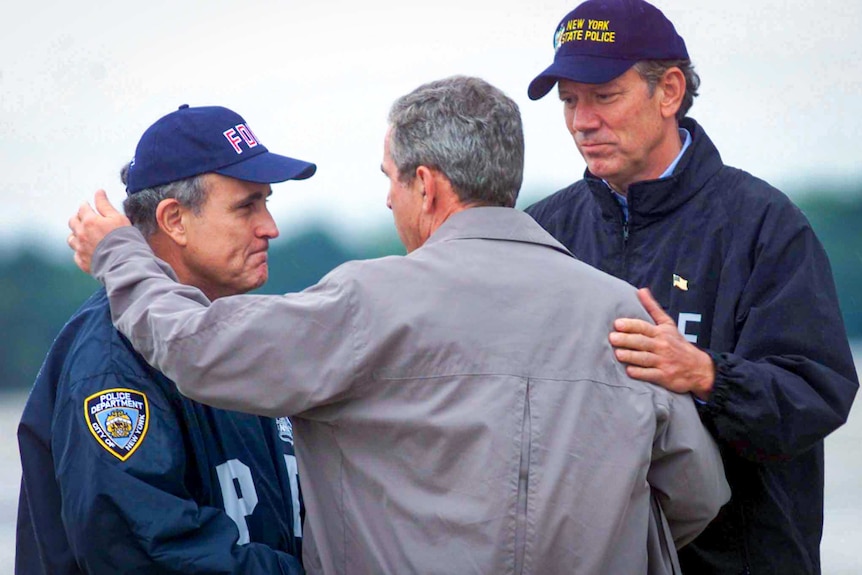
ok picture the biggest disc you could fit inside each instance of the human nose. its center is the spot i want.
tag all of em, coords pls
(584, 118)
(389, 200)
(267, 228)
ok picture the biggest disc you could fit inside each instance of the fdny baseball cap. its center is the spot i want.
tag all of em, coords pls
(601, 39)
(193, 141)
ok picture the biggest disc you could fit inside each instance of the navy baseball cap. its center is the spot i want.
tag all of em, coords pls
(601, 39)
(193, 141)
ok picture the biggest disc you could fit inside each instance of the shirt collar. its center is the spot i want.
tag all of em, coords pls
(685, 136)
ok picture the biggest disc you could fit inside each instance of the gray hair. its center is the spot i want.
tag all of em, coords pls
(140, 207)
(652, 71)
(469, 131)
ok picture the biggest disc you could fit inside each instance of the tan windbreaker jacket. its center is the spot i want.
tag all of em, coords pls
(457, 410)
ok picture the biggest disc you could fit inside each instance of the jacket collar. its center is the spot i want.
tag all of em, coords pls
(494, 223)
(654, 198)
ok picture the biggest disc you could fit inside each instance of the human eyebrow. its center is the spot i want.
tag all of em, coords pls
(250, 199)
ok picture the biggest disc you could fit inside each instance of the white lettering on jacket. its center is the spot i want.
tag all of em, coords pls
(682, 324)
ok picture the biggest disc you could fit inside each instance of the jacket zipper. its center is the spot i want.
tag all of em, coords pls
(625, 222)
(523, 486)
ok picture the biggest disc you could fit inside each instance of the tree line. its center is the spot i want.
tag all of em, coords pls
(38, 293)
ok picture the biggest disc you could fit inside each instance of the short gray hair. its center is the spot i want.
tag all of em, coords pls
(652, 70)
(468, 130)
(140, 207)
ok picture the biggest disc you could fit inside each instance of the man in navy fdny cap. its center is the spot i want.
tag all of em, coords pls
(121, 473)
(738, 285)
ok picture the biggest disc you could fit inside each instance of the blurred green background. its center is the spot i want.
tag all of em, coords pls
(39, 290)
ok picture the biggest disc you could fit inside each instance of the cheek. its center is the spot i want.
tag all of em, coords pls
(226, 247)
(643, 122)
(569, 116)
(396, 203)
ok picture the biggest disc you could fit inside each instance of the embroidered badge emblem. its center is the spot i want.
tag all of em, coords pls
(558, 35)
(118, 419)
(680, 282)
(285, 429)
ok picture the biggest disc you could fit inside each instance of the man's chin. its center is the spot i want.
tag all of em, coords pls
(259, 278)
(601, 167)
(263, 276)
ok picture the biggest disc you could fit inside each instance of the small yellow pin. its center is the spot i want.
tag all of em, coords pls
(680, 282)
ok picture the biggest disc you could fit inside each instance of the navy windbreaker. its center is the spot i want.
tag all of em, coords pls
(739, 268)
(122, 474)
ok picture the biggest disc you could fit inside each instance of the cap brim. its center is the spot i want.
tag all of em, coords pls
(269, 168)
(584, 69)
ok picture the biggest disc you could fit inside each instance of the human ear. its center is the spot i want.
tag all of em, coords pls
(671, 91)
(171, 221)
(427, 187)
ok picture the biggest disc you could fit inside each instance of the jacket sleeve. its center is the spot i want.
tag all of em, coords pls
(300, 349)
(138, 515)
(686, 474)
(789, 379)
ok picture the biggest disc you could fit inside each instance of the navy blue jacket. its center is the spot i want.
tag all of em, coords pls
(122, 474)
(740, 269)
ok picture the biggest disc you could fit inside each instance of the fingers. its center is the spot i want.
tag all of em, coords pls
(89, 225)
(653, 308)
(76, 224)
(636, 358)
(84, 212)
(643, 373)
(633, 340)
(81, 262)
(103, 205)
(103, 208)
(629, 325)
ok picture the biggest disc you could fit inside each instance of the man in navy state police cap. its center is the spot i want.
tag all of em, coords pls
(733, 275)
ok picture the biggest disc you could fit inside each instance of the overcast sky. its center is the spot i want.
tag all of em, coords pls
(80, 81)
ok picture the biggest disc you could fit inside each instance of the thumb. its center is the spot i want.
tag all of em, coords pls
(104, 206)
(653, 308)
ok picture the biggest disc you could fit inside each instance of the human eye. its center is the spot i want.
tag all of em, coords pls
(252, 203)
(607, 96)
(245, 207)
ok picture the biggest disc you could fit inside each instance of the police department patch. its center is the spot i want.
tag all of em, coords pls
(285, 429)
(118, 419)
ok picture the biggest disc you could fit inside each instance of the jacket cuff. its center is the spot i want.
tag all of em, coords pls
(101, 260)
(718, 396)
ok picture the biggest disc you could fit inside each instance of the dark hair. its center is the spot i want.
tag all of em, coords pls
(140, 207)
(468, 130)
(652, 71)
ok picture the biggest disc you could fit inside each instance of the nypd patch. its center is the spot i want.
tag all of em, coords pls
(285, 429)
(118, 419)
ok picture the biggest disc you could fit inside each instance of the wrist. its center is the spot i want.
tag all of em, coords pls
(703, 384)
